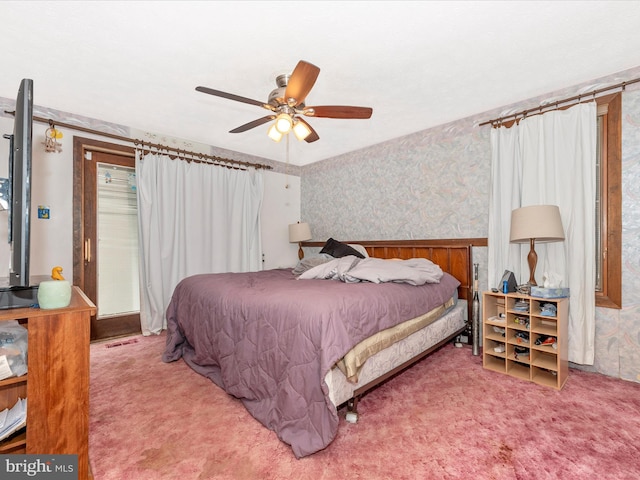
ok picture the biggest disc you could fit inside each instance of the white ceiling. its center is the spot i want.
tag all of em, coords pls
(417, 64)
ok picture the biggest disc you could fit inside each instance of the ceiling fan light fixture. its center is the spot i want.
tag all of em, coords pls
(286, 105)
(301, 130)
(274, 134)
(283, 123)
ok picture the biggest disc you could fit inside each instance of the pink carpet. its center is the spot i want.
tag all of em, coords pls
(445, 418)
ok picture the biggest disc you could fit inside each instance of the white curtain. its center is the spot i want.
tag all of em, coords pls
(550, 159)
(193, 218)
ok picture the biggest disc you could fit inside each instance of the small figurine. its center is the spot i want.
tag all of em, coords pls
(56, 273)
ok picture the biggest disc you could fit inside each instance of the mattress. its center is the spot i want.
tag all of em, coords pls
(342, 390)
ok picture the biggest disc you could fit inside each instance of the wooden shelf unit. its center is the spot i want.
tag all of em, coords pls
(515, 352)
(56, 384)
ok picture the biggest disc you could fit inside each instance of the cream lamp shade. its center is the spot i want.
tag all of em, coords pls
(535, 223)
(298, 233)
(274, 134)
(286, 123)
(283, 123)
(301, 130)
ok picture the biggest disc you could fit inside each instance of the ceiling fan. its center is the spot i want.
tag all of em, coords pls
(287, 107)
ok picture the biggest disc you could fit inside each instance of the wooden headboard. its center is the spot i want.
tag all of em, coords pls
(454, 256)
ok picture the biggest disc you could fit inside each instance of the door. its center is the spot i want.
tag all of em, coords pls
(105, 235)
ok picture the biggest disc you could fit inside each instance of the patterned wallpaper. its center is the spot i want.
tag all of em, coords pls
(434, 184)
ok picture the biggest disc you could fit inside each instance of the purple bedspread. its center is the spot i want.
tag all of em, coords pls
(269, 339)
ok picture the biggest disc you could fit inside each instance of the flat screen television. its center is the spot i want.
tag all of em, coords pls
(15, 196)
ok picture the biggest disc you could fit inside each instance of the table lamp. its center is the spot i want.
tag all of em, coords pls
(539, 223)
(298, 233)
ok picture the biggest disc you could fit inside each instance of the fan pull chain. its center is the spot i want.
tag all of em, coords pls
(286, 169)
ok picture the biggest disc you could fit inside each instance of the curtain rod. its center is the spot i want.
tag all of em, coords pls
(199, 157)
(556, 105)
(196, 157)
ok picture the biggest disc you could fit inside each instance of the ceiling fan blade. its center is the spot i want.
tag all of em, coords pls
(231, 96)
(301, 82)
(338, 111)
(313, 136)
(255, 123)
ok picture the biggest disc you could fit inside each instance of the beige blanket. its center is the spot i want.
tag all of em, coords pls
(353, 361)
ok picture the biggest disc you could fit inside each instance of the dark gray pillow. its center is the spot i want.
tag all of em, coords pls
(338, 249)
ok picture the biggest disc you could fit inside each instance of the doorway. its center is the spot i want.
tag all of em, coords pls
(105, 249)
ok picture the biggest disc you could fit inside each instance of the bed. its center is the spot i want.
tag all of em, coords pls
(276, 341)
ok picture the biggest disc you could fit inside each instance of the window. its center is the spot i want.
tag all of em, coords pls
(609, 203)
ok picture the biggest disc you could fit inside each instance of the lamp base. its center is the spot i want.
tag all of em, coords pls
(532, 258)
(300, 251)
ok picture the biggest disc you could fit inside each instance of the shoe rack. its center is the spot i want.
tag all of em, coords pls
(526, 337)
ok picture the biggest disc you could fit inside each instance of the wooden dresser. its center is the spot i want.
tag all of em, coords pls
(56, 384)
